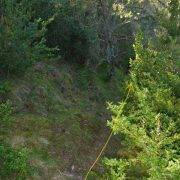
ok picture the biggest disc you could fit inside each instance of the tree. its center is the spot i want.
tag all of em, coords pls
(148, 118)
(73, 31)
(22, 41)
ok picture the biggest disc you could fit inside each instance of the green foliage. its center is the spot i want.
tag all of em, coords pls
(149, 116)
(13, 162)
(5, 115)
(174, 10)
(22, 41)
(169, 12)
(4, 88)
(71, 31)
(43, 9)
(115, 169)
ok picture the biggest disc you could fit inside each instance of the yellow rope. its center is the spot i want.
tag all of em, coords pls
(109, 137)
(102, 150)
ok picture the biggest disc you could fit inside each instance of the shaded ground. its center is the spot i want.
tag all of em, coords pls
(61, 118)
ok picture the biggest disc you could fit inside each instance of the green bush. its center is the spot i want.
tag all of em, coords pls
(72, 32)
(174, 26)
(13, 163)
(4, 88)
(5, 115)
(22, 41)
(148, 118)
(43, 9)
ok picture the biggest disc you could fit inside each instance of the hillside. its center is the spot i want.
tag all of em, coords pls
(60, 116)
(89, 89)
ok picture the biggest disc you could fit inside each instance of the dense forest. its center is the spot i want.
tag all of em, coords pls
(89, 89)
